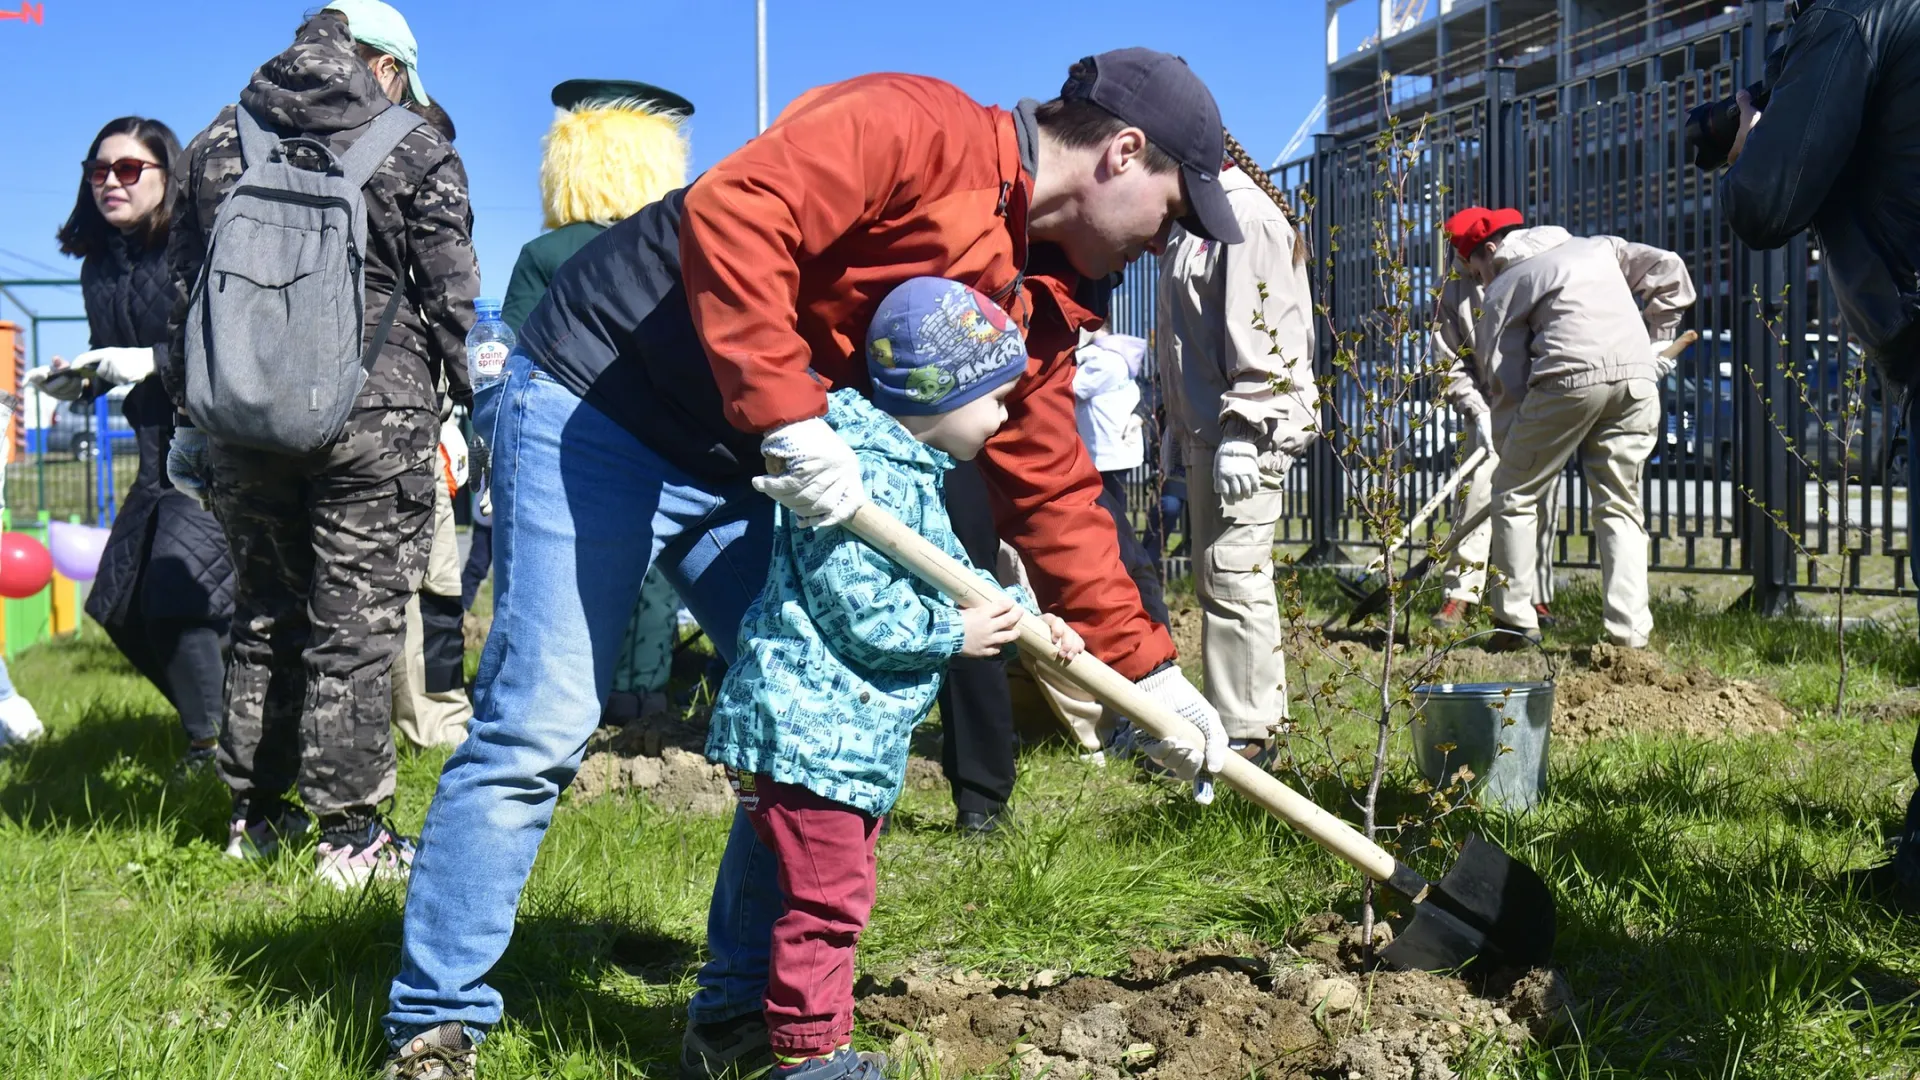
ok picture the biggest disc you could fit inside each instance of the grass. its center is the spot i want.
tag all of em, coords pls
(1707, 922)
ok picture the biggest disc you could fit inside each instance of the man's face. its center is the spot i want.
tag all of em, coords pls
(1481, 262)
(1125, 211)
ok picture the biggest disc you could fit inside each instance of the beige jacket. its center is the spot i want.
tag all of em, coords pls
(1451, 334)
(1563, 312)
(1215, 368)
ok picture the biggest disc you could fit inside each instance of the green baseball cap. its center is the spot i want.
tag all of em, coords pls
(378, 25)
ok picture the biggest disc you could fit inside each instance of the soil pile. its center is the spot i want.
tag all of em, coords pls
(1307, 1010)
(660, 756)
(1612, 690)
(663, 756)
(1608, 690)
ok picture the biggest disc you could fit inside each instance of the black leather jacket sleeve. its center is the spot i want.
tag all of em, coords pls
(1820, 80)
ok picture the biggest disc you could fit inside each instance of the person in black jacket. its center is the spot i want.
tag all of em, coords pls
(1838, 152)
(165, 587)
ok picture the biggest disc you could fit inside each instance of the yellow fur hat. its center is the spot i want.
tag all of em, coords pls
(603, 162)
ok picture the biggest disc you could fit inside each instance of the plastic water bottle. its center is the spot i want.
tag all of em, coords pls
(489, 344)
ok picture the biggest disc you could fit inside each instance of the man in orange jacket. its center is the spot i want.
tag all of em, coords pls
(686, 344)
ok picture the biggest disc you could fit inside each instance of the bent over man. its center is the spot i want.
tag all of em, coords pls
(1574, 365)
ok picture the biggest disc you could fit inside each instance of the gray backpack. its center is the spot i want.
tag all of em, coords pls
(275, 354)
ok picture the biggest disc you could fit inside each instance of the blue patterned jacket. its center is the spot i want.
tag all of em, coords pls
(843, 652)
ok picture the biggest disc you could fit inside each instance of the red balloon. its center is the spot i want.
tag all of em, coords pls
(26, 566)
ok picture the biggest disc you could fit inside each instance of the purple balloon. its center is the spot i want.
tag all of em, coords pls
(76, 549)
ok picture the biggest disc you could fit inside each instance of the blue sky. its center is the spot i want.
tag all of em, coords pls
(492, 63)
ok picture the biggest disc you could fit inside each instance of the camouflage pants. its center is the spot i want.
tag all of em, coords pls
(326, 551)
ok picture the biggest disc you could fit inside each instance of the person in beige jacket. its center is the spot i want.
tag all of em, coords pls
(1242, 406)
(1574, 363)
(1451, 337)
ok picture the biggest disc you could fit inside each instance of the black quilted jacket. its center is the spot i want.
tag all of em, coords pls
(165, 551)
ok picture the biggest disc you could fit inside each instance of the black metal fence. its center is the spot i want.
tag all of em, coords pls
(1746, 448)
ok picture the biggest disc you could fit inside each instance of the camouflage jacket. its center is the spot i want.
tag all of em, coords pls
(844, 650)
(419, 222)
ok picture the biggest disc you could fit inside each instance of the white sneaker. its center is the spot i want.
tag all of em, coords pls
(349, 864)
(18, 722)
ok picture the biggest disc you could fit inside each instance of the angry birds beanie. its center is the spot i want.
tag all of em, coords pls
(935, 345)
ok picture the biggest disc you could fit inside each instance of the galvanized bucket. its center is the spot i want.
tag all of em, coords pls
(1499, 730)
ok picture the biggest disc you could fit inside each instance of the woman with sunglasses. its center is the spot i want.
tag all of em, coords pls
(165, 588)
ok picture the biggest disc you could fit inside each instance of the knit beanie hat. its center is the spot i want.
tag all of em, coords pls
(935, 345)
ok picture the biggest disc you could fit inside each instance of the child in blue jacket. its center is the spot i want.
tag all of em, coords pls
(842, 654)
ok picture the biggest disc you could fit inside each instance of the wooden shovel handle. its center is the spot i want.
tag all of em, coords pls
(1117, 692)
(1446, 492)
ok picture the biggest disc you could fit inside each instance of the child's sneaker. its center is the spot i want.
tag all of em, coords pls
(438, 1053)
(352, 854)
(18, 722)
(842, 1064)
(736, 1047)
(256, 830)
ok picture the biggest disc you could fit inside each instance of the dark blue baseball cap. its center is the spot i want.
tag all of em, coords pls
(935, 345)
(1159, 94)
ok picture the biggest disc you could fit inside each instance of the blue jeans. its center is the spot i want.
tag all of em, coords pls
(581, 509)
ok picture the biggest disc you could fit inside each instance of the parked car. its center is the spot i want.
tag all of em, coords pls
(1699, 409)
(73, 428)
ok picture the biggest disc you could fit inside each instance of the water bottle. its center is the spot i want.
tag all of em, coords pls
(489, 344)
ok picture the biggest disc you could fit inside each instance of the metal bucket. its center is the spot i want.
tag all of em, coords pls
(1500, 730)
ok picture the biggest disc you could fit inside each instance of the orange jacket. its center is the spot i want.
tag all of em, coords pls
(790, 243)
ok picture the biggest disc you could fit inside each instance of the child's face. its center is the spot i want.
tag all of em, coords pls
(962, 432)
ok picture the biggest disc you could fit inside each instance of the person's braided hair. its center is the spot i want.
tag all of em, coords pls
(1239, 156)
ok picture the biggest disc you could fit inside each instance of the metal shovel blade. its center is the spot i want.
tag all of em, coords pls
(1491, 908)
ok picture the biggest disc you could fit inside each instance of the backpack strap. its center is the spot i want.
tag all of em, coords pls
(256, 142)
(375, 144)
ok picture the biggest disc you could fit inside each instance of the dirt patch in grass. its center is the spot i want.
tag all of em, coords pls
(663, 757)
(1607, 690)
(1305, 1010)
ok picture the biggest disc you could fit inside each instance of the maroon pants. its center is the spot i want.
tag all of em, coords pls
(827, 877)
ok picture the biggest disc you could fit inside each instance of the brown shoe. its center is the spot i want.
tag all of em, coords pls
(438, 1053)
(1452, 614)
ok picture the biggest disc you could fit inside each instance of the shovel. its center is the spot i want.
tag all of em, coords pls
(1489, 908)
(1377, 599)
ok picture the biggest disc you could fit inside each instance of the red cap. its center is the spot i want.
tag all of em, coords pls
(1470, 228)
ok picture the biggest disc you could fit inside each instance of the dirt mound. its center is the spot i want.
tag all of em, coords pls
(1612, 691)
(1300, 1012)
(663, 756)
(660, 756)
(1607, 690)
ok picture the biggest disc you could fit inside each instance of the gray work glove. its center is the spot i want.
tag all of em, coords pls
(187, 464)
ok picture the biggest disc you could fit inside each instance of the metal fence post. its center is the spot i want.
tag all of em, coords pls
(1323, 473)
(1759, 279)
(1502, 146)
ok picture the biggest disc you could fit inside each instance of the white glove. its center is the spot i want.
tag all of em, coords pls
(117, 366)
(187, 464)
(1483, 430)
(453, 453)
(1236, 470)
(66, 388)
(821, 482)
(1188, 762)
(1662, 363)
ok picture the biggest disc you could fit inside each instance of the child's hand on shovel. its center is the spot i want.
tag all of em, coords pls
(989, 628)
(1066, 643)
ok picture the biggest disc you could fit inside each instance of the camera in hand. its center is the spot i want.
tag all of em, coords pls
(1711, 127)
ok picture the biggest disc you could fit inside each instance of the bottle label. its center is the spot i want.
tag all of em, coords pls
(489, 359)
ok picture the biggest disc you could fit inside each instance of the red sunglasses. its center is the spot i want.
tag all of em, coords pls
(127, 170)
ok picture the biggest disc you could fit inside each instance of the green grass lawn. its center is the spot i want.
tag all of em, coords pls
(1706, 921)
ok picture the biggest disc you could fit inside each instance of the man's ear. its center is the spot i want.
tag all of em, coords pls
(1126, 148)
